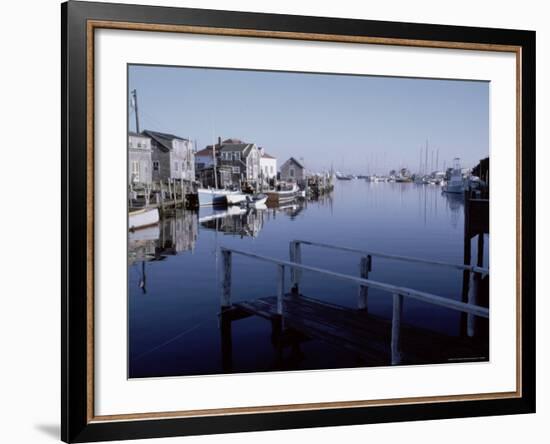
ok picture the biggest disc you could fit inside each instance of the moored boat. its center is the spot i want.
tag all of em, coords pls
(455, 184)
(213, 196)
(256, 201)
(145, 217)
(235, 199)
(278, 197)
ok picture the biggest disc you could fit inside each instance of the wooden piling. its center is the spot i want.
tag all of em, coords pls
(396, 329)
(226, 341)
(364, 268)
(295, 274)
(226, 283)
(471, 322)
(280, 288)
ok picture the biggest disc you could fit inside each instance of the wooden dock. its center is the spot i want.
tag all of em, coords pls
(374, 340)
(363, 334)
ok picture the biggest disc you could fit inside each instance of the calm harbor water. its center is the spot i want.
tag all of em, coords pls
(174, 294)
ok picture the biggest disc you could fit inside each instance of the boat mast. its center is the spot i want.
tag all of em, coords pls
(426, 160)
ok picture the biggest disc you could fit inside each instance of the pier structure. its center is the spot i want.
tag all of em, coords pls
(163, 194)
(475, 287)
(374, 340)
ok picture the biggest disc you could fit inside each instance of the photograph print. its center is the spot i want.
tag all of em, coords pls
(290, 221)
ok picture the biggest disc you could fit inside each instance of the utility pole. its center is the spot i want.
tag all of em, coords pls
(134, 96)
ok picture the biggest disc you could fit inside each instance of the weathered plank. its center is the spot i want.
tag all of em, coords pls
(374, 339)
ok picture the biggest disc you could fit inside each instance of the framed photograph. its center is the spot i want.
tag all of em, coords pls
(275, 221)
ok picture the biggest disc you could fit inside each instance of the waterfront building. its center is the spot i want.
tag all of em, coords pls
(268, 166)
(205, 176)
(204, 158)
(293, 171)
(172, 157)
(243, 158)
(139, 159)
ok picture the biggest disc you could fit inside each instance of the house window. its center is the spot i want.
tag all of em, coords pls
(237, 170)
(237, 156)
(155, 165)
(175, 166)
(271, 167)
(291, 171)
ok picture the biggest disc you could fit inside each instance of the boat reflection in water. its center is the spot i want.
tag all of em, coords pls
(455, 204)
(233, 221)
(243, 221)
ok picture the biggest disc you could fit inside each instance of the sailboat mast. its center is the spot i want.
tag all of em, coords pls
(426, 159)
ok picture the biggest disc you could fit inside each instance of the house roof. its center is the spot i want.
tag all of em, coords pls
(208, 151)
(244, 148)
(134, 134)
(267, 156)
(163, 139)
(233, 141)
(292, 159)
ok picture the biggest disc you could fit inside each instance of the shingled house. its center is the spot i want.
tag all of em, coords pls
(243, 159)
(293, 171)
(172, 156)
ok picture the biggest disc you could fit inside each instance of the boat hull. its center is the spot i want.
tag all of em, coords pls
(280, 197)
(143, 218)
(235, 199)
(212, 197)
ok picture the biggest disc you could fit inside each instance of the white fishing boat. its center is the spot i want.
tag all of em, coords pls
(282, 196)
(456, 183)
(256, 201)
(214, 196)
(145, 217)
(235, 199)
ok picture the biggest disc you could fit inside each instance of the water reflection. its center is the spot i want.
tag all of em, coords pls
(174, 283)
(174, 234)
(234, 221)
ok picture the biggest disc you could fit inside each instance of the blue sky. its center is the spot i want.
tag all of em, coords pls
(355, 123)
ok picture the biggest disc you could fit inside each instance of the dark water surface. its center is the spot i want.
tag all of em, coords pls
(174, 295)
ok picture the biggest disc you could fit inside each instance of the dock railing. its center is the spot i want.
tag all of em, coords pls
(475, 273)
(398, 293)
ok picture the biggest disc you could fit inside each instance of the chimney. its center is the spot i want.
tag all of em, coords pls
(219, 141)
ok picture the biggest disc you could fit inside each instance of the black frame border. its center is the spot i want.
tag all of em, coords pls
(75, 426)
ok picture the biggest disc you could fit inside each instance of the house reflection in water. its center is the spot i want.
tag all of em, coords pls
(174, 234)
(178, 233)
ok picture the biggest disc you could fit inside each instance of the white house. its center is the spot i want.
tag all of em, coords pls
(139, 159)
(268, 165)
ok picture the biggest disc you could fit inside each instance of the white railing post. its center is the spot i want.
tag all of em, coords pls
(226, 282)
(396, 329)
(295, 256)
(280, 288)
(364, 268)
